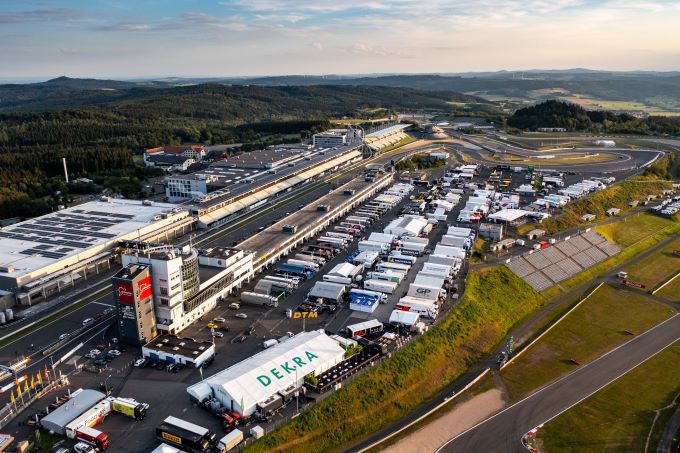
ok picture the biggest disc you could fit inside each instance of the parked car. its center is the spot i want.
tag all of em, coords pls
(224, 328)
(241, 339)
(250, 330)
(82, 447)
(114, 353)
(140, 363)
(64, 336)
(219, 319)
(218, 334)
(241, 315)
(100, 361)
(234, 306)
(213, 326)
(88, 321)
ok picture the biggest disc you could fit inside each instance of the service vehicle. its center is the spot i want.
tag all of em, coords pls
(241, 315)
(187, 436)
(129, 407)
(93, 437)
(234, 305)
(229, 441)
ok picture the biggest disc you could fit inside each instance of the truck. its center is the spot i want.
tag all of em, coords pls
(399, 267)
(352, 232)
(396, 257)
(306, 264)
(380, 286)
(318, 259)
(338, 243)
(229, 441)
(340, 235)
(263, 300)
(286, 270)
(425, 308)
(370, 327)
(129, 407)
(93, 437)
(423, 291)
(372, 246)
(337, 279)
(91, 417)
(361, 220)
(182, 438)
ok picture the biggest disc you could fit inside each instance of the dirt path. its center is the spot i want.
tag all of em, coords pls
(463, 416)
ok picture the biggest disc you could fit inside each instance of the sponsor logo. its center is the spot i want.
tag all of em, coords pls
(171, 438)
(287, 367)
(144, 288)
(633, 284)
(124, 293)
(423, 291)
(304, 314)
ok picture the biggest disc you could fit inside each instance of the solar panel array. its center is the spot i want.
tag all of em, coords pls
(549, 266)
(61, 233)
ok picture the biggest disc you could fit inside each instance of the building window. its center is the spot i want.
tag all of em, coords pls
(164, 290)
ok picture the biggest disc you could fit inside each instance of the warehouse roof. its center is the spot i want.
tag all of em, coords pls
(80, 402)
(508, 215)
(257, 378)
(33, 244)
(328, 290)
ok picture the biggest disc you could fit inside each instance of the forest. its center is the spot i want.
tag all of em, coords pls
(99, 140)
(574, 118)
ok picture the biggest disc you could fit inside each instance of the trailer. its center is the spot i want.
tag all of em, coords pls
(91, 417)
(310, 266)
(229, 441)
(320, 260)
(390, 265)
(129, 407)
(380, 285)
(372, 246)
(382, 297)
(184, 439)
(370, 327)
(93, 437)
(340, 235)
(337, 242)
(431, 293)
(361, 220)
(367, 259)
(286, 270)
(269, 287)
(404, 318)
(424, 307)
(392, 276)
(262, 300)
(293, 282)
(456, 241)
(398, 257)
(337, 279)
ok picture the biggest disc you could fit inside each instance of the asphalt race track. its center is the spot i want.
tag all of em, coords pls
(503, 431)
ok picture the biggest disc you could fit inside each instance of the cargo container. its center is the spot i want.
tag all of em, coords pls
(129, 407)
(353, 225)
(286, 270)
(440, 269)
(93, 437)
(262, 300)
(310, 266)
(425, 308)
(340, 235)
(399, 267)
(348, 231)
(367, 259)
(339, 243)
(361, 220)
(443, 259)
(318, 259)
(337, 279)
(294, 282)
(456, 241)
(380, 285)
(372, 246)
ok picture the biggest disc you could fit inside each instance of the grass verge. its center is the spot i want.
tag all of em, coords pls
(671, 292)
(494, 301)
(594, 327)
(658, 267)
(630, 230)
(619, 417)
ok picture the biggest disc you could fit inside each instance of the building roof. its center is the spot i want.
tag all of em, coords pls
(64, 414)
(328, 290)
(508, 215)
(388, 130)
(304, 353)
(172, 344)
(173, 149)
(33, 244)
(171, 159)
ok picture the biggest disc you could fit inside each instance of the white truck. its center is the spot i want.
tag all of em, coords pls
(263, 300)
(229, 441)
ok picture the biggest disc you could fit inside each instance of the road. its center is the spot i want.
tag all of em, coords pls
(503, 431)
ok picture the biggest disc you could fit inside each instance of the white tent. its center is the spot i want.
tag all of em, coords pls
(328, 290)
(508, 215)
(242, 386)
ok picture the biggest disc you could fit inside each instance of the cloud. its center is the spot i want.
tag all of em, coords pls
(369, 49)
(126, 26)
(41, 15)
(68, 51)
(317, 45)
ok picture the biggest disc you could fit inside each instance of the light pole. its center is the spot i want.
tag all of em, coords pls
(106, 387)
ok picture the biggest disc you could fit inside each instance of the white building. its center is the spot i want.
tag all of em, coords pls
(41, 256)
(186, 285)
(330, 138)
(255, 380)
(605, 143)
(187, 187)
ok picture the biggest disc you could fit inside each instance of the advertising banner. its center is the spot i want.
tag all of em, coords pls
(124, 293)
(144, 288)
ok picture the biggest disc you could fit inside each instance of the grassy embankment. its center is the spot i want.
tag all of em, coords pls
(605, 320)
(400, 143)
(494, 301)
(620, 416)
(657, 268)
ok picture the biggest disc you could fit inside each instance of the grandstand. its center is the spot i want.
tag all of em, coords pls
(549, 266)
(386, 137)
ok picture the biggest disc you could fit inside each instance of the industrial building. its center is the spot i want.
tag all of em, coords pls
(330, 138)
(42, 256)
(386, 136)
(172, 349)
(195, 152)
(185, 283)
(247, 384)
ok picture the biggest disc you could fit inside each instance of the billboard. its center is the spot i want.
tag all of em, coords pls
(124, 293)
(144, 288)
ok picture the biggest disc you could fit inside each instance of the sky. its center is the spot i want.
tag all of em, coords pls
(41, 39)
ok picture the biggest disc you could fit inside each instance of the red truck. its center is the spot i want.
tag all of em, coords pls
(93, 437)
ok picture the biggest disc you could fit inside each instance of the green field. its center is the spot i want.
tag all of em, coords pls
(619, 417)
(494, 301)
(630, 230)
(594, 327)
(671, 291)
(658, 267)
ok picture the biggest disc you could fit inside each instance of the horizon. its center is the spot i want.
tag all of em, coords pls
(240, 38)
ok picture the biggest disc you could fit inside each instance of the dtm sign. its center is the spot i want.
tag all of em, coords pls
(304, 314)
(287, 368)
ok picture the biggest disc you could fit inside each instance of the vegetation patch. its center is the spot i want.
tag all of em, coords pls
(630, 230)
(619, 417)
(606, 319)
(494, 301)
(419, 162)
(671, 291)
